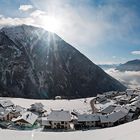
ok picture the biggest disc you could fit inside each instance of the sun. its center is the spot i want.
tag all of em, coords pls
(52, 24)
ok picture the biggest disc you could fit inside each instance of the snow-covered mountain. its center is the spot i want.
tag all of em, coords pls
(35, 63)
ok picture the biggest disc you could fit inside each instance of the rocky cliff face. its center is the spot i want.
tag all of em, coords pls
(37, 64)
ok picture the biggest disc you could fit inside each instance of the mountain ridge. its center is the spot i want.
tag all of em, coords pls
(39, 64)
(132, 65)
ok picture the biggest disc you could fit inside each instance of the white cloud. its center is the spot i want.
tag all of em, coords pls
(130, 79)
(89, 25)
(86, 26)
(135, 52)
(37, 13)
(25, 7)
(15, 21)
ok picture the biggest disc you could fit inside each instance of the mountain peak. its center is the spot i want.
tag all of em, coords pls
(34, 64)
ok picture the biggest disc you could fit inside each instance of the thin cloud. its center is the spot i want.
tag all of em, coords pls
(25, 7)
(135, 52)
(15, 21)
(84, 25)
(37, 13)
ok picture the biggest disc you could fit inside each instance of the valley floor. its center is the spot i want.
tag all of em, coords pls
(128, 131)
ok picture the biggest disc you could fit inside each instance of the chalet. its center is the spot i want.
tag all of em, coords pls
(123, 99)
(101, 98)
(131, 92)
(6, 103)
(87, 120)
(26, 119)
(137, 98)
(108, 109)
(60, 119)
(15, 111)
(136, 104)
(37, 109)
(110, 94)
(114, 118)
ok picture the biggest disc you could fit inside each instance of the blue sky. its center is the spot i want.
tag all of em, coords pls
(106, 31)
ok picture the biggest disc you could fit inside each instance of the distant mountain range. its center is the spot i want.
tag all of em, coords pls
(108, 66)
(35, 63)
(133, 65)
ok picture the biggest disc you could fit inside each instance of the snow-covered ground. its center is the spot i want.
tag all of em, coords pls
(128, 131)
(80, 105)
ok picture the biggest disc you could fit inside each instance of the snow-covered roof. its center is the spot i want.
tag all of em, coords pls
(123, 97)
(17, 109)
(136, 103)
(131, 107)
(108, 109)
(6, 103)
(59, 115)
(113, 117)
(37, 105)
(28, 117)
(135, 99)
(110, 93)
(100, 96)
(130, 92)
(88, 117)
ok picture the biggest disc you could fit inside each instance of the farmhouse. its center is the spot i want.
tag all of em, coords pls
(15, 111)
(123, 99)
(60, 119)
(37, 109)
(108, 109)
(87, 120)
(26, 119)
(110, 94)
(101, 98)
(114, 118)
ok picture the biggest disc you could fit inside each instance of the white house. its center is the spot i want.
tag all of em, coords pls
(45, 122)
(60, 119)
